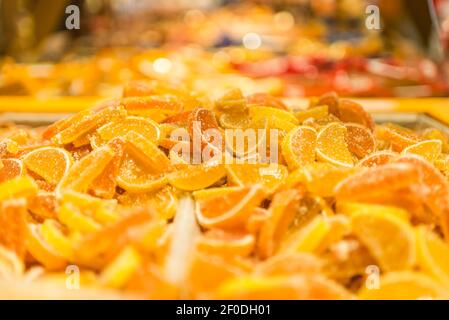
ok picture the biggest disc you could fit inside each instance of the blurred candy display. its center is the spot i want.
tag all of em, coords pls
(292, 48)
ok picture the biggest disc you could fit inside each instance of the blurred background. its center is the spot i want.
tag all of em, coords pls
(293, 48)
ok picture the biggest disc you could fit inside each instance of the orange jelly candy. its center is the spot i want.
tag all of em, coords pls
(11, 169)
(105, 184)
(282, 212)
(331, 145)
(331, 101)
(135, 176)
(83, 173)
(361, 141)
(298, 146)
(230, 209)
(50, 163)
(351, 111)
(223, 243)
(399, 137)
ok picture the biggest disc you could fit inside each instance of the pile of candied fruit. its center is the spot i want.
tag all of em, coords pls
(104, 202)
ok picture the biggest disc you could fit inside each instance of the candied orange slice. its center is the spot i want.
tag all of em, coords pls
(322, 178)
(52, 234)
(297, 287)
(405, 285)
(200, 121)
(319, 123)
(399, 137)
(63, 124)
(377, 158)
(232, 101)
(149, 279)
(212, 192)
(432, 189)
(8, 148)
(231, 210)
(157, 107)
(235, 121)
(433, 255)
(331, 101)
(297, 177)
(428, 149)
(351, 111)
(121, 269)
(223, 243)
(179, 159)
(13, 215)
(166, 140)
(390, 239)
(105, 184)
(264, 99)
(197, 177)
(377, 181)
(87, 124)
(12, 168)
(17, 188)
(75, 220)
(85, 201)
(136, 177)
(147, 238)
(270, 176)
(361, 141)
(102, 211)
(84, 140)
(249, 145)
(164, 201)
(273, 123)
(166, 129)
(146, 127)
(42, 251)
(256, 220)
(290, 264)
(185, 148)
(353, 208)
(331, 145)
(180, 119)
(83, 173)
(312, 113)
(283, 209)
(49, 163)
(43, 205)
(147, 152)
(298, 146)
(98, 248)
(260, 113)
(340, 227)
(409, 182)
(208, 271)
(309, 237)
